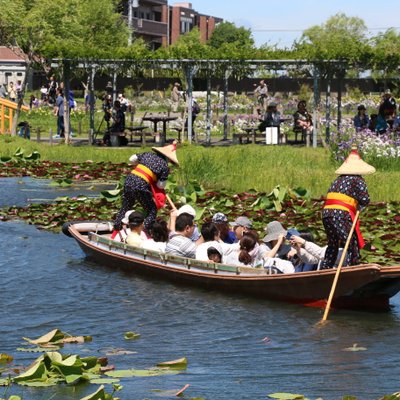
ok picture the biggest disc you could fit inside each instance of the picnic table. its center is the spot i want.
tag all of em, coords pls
(155, 119)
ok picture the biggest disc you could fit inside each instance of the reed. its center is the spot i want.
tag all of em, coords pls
(235, 168)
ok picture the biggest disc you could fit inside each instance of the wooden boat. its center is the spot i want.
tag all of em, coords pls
(367, 286)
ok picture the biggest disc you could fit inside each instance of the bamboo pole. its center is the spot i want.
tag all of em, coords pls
(339, 268)
(171, 203)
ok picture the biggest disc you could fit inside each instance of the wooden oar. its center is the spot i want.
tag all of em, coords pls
(171, 203)
(339, 268)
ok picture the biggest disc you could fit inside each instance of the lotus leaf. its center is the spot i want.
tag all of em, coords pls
(5, 382)
(5, 358)
(51, 336)
(131, 336)
(37, 371)
(180, 363)
(287, 396)
(99, 394)
(129, 373)
(105, 381)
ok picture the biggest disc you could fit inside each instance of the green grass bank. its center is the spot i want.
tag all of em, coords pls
(237, 168)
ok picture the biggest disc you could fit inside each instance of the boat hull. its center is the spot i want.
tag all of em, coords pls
(367, 287)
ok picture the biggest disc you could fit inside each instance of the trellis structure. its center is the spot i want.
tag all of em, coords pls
(205, 68)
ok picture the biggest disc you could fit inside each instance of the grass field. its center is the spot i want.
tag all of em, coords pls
(236, 168)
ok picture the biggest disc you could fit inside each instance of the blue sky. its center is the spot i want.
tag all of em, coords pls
(294, 15)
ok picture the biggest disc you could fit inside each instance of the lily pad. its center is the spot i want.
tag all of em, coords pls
(180, 363)
(99, 394)
(287, 396)
(129, 373)
(131, 336)
(104, 381)
(5, 358)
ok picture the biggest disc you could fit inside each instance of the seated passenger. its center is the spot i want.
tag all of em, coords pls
(361, 120)
(240, 226)
(248, 253)
(272, 118)
(136, 220)
(275, 252)
(120, 236)
(309, 252)
(180, 243)
(214, 254)
(187, 208)
(159, 237)
(211, 238)
(225, 233)
(302, 120)
(274, 242)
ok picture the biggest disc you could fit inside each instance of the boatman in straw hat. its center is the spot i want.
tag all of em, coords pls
(146, 182)
(347, 194)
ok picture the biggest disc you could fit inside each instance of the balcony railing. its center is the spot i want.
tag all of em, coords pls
(148, 27)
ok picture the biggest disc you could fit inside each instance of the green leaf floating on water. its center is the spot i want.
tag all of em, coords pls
(37, 371)
(129, 373)
(99, 394)
(131, 336)
(287, 396)
(355, 347)
(104, 381)
(180, 363)
(5, 358)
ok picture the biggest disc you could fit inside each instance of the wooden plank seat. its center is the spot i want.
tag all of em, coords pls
(139, 131)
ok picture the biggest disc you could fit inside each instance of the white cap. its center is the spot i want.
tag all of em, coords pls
(187, 209)
(125, 220)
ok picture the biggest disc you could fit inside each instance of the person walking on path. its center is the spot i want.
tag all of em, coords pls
(347, 194)
(175, 96)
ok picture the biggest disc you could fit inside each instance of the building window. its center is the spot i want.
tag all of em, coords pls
(186, 24)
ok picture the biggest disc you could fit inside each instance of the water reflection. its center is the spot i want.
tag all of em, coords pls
(22, 191)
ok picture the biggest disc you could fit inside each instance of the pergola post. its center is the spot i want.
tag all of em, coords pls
(328, 108)
(208, 117)
(226, 81)
(340, 76)
(92, 73)
(316, 104)
(67, 119)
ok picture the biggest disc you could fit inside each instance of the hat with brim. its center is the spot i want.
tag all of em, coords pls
(168, 151)
(242, 221)
(125, 220)
(274, 229)
(188, 209)
(354, 165)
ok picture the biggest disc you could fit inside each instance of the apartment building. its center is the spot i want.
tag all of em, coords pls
(160, 24)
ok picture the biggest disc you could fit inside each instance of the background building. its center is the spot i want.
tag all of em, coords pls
(12, 65)
(160, 24)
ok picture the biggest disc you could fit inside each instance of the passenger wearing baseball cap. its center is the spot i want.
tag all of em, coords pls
(225, 233)
(240, 225)
(188, 209)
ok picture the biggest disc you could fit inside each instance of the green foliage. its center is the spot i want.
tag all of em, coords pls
(228, 33)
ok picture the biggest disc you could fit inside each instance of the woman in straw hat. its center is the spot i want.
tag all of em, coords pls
(146, 182)
(347, 194)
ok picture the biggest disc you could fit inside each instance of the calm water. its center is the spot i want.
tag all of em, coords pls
(46, 283)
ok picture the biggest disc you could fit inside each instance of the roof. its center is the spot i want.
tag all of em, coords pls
(9, 55)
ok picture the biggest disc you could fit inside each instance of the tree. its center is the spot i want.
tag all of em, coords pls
(386, 53)
(332, 47)
(44, 29)
(227, 32)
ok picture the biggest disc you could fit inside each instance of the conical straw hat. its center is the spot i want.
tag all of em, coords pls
(168, 151)
(354, 165)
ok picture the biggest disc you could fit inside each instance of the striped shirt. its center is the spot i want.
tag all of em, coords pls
(179, 245)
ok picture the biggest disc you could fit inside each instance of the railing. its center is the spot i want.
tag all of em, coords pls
(7, 109)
